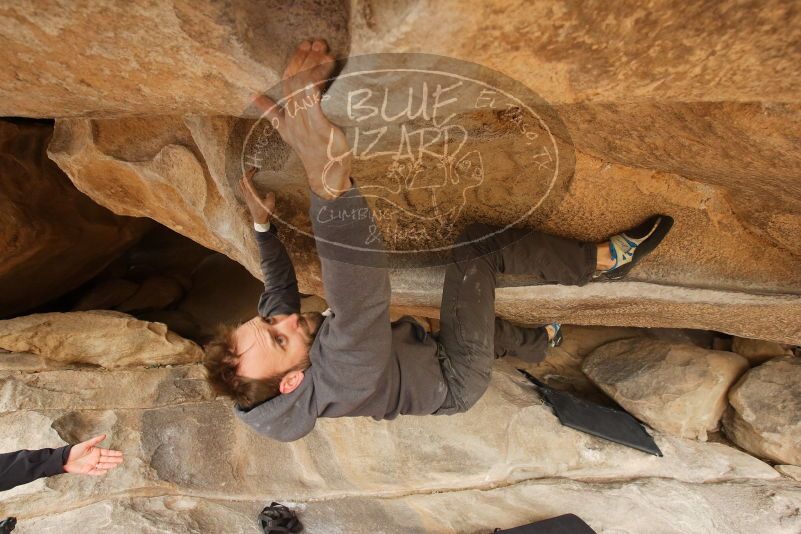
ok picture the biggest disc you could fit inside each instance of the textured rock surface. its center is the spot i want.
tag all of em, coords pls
(177, 440)
(191, 466)
(208, 58)
(158, 171)
(691, 110)
(222, 292)
(676, 389)
(758, 351)
(174, 56)
(106, 295)
(765, 411)
(155, 293)
(105, 338)
(44, 221)
(664, 116)
(700, 252)
(791, 471)
(464, 511)
(776, 317)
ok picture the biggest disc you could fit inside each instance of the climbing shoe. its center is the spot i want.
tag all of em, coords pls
(557, 336)
(630, 247)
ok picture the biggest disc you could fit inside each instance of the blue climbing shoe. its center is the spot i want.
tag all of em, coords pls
(630, 247)
(557, 336)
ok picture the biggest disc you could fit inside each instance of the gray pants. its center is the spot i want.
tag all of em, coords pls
(470, 335)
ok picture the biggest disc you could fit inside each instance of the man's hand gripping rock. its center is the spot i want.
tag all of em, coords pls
(320, 145)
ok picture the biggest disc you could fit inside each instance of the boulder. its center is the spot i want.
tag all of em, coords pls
(156, 292)
(665, 506)
(790, 471)
(758, 351)
(180, 441)
(106, 294)
(764, 416)
(45, 221)
(208, 58)
(223, 292)
(695, 279)
(25, 361)
(678, 389)
(104, 338)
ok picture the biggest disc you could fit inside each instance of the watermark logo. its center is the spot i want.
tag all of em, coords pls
(435, 144)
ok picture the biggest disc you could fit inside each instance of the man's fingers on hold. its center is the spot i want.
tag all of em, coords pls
(297, 59)
(110, 452)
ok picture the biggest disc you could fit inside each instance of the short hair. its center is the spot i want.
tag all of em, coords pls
(221, 362)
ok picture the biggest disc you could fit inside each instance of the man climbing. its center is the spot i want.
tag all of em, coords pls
(285, 369)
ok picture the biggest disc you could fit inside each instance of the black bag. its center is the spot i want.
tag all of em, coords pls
(601, 421)
(278, 519)
(7, 525)
(563, 524)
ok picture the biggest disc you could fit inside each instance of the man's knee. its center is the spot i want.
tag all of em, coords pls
(473, 241)
(470, 396)
(469, 401)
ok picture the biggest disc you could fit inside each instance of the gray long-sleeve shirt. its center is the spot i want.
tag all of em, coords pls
(361, 365)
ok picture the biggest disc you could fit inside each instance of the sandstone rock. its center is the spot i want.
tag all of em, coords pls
(162, 177)
(45, 221)
(178, 321)
(666, 506)
(223, 292)
(697, 253)
(105, 338)
(178, 443)
(791, 471)
(676, 389)
(208, 58)
(155, 293)
(764, 416)
(757, 351)
(23, 361)
(195, 57)
(101, 389)
(106, 295)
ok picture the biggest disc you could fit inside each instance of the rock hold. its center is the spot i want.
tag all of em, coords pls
(107, 339)
(676, 389)
(764, 416)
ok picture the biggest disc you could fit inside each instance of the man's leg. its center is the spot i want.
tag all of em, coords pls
(526, 343)
(467, 314)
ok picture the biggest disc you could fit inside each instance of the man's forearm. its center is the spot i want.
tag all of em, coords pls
(281, 295)
(21, 467)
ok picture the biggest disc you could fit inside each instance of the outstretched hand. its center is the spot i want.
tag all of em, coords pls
(86, 458)
(320, 144)
(261, 207)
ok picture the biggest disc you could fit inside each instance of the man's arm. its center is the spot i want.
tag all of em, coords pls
(280, 295)
(21, 467)
(351, 252)
(356, 284)
(84, 458)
